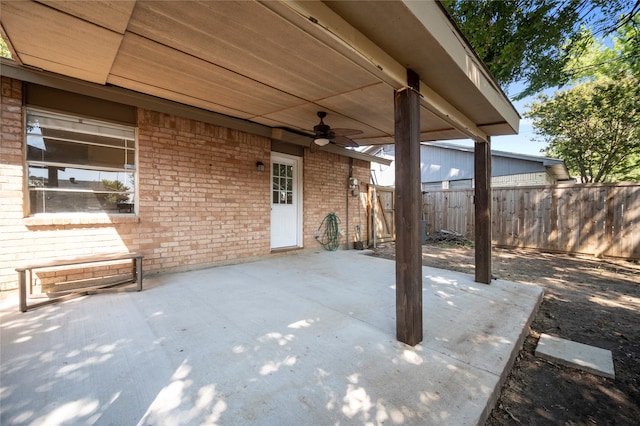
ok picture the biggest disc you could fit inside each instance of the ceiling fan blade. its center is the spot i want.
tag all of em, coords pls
(346, 132)
(344, 141)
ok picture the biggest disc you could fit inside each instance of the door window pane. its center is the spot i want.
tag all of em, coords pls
(282, 182)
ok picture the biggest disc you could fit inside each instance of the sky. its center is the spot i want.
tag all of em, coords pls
(525, 141)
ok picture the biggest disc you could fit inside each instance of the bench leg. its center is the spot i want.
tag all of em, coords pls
(137, 274)
(22, 285)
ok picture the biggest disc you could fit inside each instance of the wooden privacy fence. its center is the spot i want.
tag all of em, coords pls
(382, 209)
(599, 219)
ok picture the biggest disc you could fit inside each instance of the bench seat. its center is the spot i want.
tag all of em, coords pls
(22, 270)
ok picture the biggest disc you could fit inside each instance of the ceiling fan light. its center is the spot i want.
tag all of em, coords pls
(321, 141)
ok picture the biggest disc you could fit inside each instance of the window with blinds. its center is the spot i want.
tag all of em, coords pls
(79, 165)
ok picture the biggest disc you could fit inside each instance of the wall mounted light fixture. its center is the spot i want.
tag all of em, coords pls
(260, 166)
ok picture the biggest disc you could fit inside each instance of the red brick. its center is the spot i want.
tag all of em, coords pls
(201, 200)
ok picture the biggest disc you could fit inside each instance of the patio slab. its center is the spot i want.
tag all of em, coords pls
(307, 338)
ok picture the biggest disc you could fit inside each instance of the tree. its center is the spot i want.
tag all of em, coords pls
(630, 173)
(594, 127)
(4, 49)
(532, 41)
(117, 191)
(598, 61)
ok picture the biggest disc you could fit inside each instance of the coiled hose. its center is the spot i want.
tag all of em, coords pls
(330, 238)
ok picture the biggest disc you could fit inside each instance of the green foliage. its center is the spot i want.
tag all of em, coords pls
(594, 127)
(115, 186)
(599, 62)
(4, 49)
(630, 172)
(533, 40)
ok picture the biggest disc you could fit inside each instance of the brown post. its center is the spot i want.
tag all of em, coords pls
(137, 262)
(482, 174)
(22, 286)
(407, 217)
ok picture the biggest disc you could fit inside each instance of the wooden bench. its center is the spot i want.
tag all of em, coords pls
(136, 275)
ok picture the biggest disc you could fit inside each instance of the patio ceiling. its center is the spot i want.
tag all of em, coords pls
(272, 63)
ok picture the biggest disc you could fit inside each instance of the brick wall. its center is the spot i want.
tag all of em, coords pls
(11, 179)
(201, 200)
(326, 177)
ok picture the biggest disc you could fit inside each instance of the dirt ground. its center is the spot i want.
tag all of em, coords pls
(587, 300)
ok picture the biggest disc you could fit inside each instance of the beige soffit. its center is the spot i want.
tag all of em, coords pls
(271, 63)
(339, 34)
(9, 68)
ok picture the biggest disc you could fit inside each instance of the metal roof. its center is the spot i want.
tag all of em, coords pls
(555, 166)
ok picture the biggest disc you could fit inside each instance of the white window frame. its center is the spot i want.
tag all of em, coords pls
(85, 126)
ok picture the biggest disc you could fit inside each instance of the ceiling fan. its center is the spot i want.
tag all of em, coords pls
(324, 134)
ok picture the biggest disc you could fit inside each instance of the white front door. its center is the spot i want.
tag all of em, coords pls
(286, 201)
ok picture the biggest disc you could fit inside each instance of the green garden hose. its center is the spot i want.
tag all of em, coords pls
(330, 238)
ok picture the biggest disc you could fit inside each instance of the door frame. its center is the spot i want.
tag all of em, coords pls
(297, 169)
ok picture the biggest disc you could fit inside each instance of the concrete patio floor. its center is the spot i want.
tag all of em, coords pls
(302, 339)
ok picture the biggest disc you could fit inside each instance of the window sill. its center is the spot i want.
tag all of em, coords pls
(79, 219)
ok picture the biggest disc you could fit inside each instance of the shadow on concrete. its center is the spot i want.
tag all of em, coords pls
(302, 339)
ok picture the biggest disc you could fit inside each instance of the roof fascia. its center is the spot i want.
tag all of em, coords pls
(440, 26)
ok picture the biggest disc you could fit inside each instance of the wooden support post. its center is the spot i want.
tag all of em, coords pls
(482, 174)
(407, 217)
